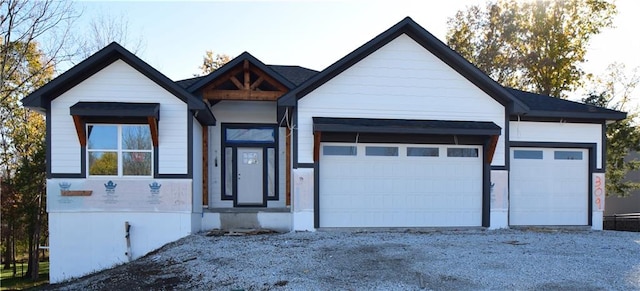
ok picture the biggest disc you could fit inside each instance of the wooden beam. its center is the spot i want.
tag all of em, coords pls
(217, 82)
(316, 146)
(242, 95)
(271, 80)
(236, 82)
(247, 74)
(153, 127)
(287, 146)
(82, 137)
(256, 83)
(491, 149)
(205, 166)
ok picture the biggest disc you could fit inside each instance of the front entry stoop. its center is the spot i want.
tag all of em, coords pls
(229, 219)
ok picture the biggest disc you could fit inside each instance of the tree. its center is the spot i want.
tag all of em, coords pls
(34, 40)
(104, 164)
(211, 63)
(530, 45)
(105, 29)
(25, 25)
(614, 90)
(30, 180)
(538, 46)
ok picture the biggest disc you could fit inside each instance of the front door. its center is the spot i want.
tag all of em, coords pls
(249, 177)
(250, 164)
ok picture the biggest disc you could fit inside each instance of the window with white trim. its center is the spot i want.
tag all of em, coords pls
(123, 150)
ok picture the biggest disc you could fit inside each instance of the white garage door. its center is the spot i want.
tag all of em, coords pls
(399, 185)
(549, 186)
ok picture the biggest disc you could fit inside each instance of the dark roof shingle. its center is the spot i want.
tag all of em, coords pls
(294, 74)
(188, 82)
(547, 106)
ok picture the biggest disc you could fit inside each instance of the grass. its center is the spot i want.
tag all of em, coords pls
(8, 282)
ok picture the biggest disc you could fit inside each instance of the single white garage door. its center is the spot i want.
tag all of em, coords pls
(400, 185)
(549, 186)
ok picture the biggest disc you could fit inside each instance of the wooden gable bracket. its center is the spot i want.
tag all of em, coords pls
(491, 148)
(153, 128)
(248, 89)
(317, 135)
(82, 135)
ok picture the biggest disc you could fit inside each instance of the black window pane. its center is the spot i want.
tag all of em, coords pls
(339, 150)
(102, 137)
(250, 135)
(228, 172)
(527, 154)
(136, 137)
(136, 164)
(103, 163)
(271, 172)
(567, 155)
(422, 152)
(462, 152)
(382, 151)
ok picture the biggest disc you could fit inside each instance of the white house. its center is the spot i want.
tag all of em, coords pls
(402, 132)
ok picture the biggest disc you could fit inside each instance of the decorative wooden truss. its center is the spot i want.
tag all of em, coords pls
(244, 82)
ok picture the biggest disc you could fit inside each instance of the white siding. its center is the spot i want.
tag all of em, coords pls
(240, 112)
(119, 82)
(401, 80)
(245, 112)
(197, 166)
(527, 131)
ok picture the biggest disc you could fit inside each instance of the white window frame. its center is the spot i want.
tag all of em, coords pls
(119, 151)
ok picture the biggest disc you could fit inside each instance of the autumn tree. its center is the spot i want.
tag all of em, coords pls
(539, 46)
(211, 62)
(104, 164)
(33, 41)
(614, 89)
(536, 46)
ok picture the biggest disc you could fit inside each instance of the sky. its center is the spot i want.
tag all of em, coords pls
(312, 34)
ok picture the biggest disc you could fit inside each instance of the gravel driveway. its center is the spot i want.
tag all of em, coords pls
(378, 260)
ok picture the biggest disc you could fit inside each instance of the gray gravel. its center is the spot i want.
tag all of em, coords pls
(534, 259)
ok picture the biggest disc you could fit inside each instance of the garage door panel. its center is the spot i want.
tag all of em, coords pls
(400, 191)
(548, 188)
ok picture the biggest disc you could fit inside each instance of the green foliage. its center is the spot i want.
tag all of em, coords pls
(614, 89)
(530, 45)
(538, 46)
(104, 164)
(24, 66)
(211, 63)
(622, 139)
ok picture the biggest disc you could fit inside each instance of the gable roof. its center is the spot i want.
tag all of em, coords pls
(42, 97)
(543, 106)
(294, 74)
(188, 82)
(425, 39)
